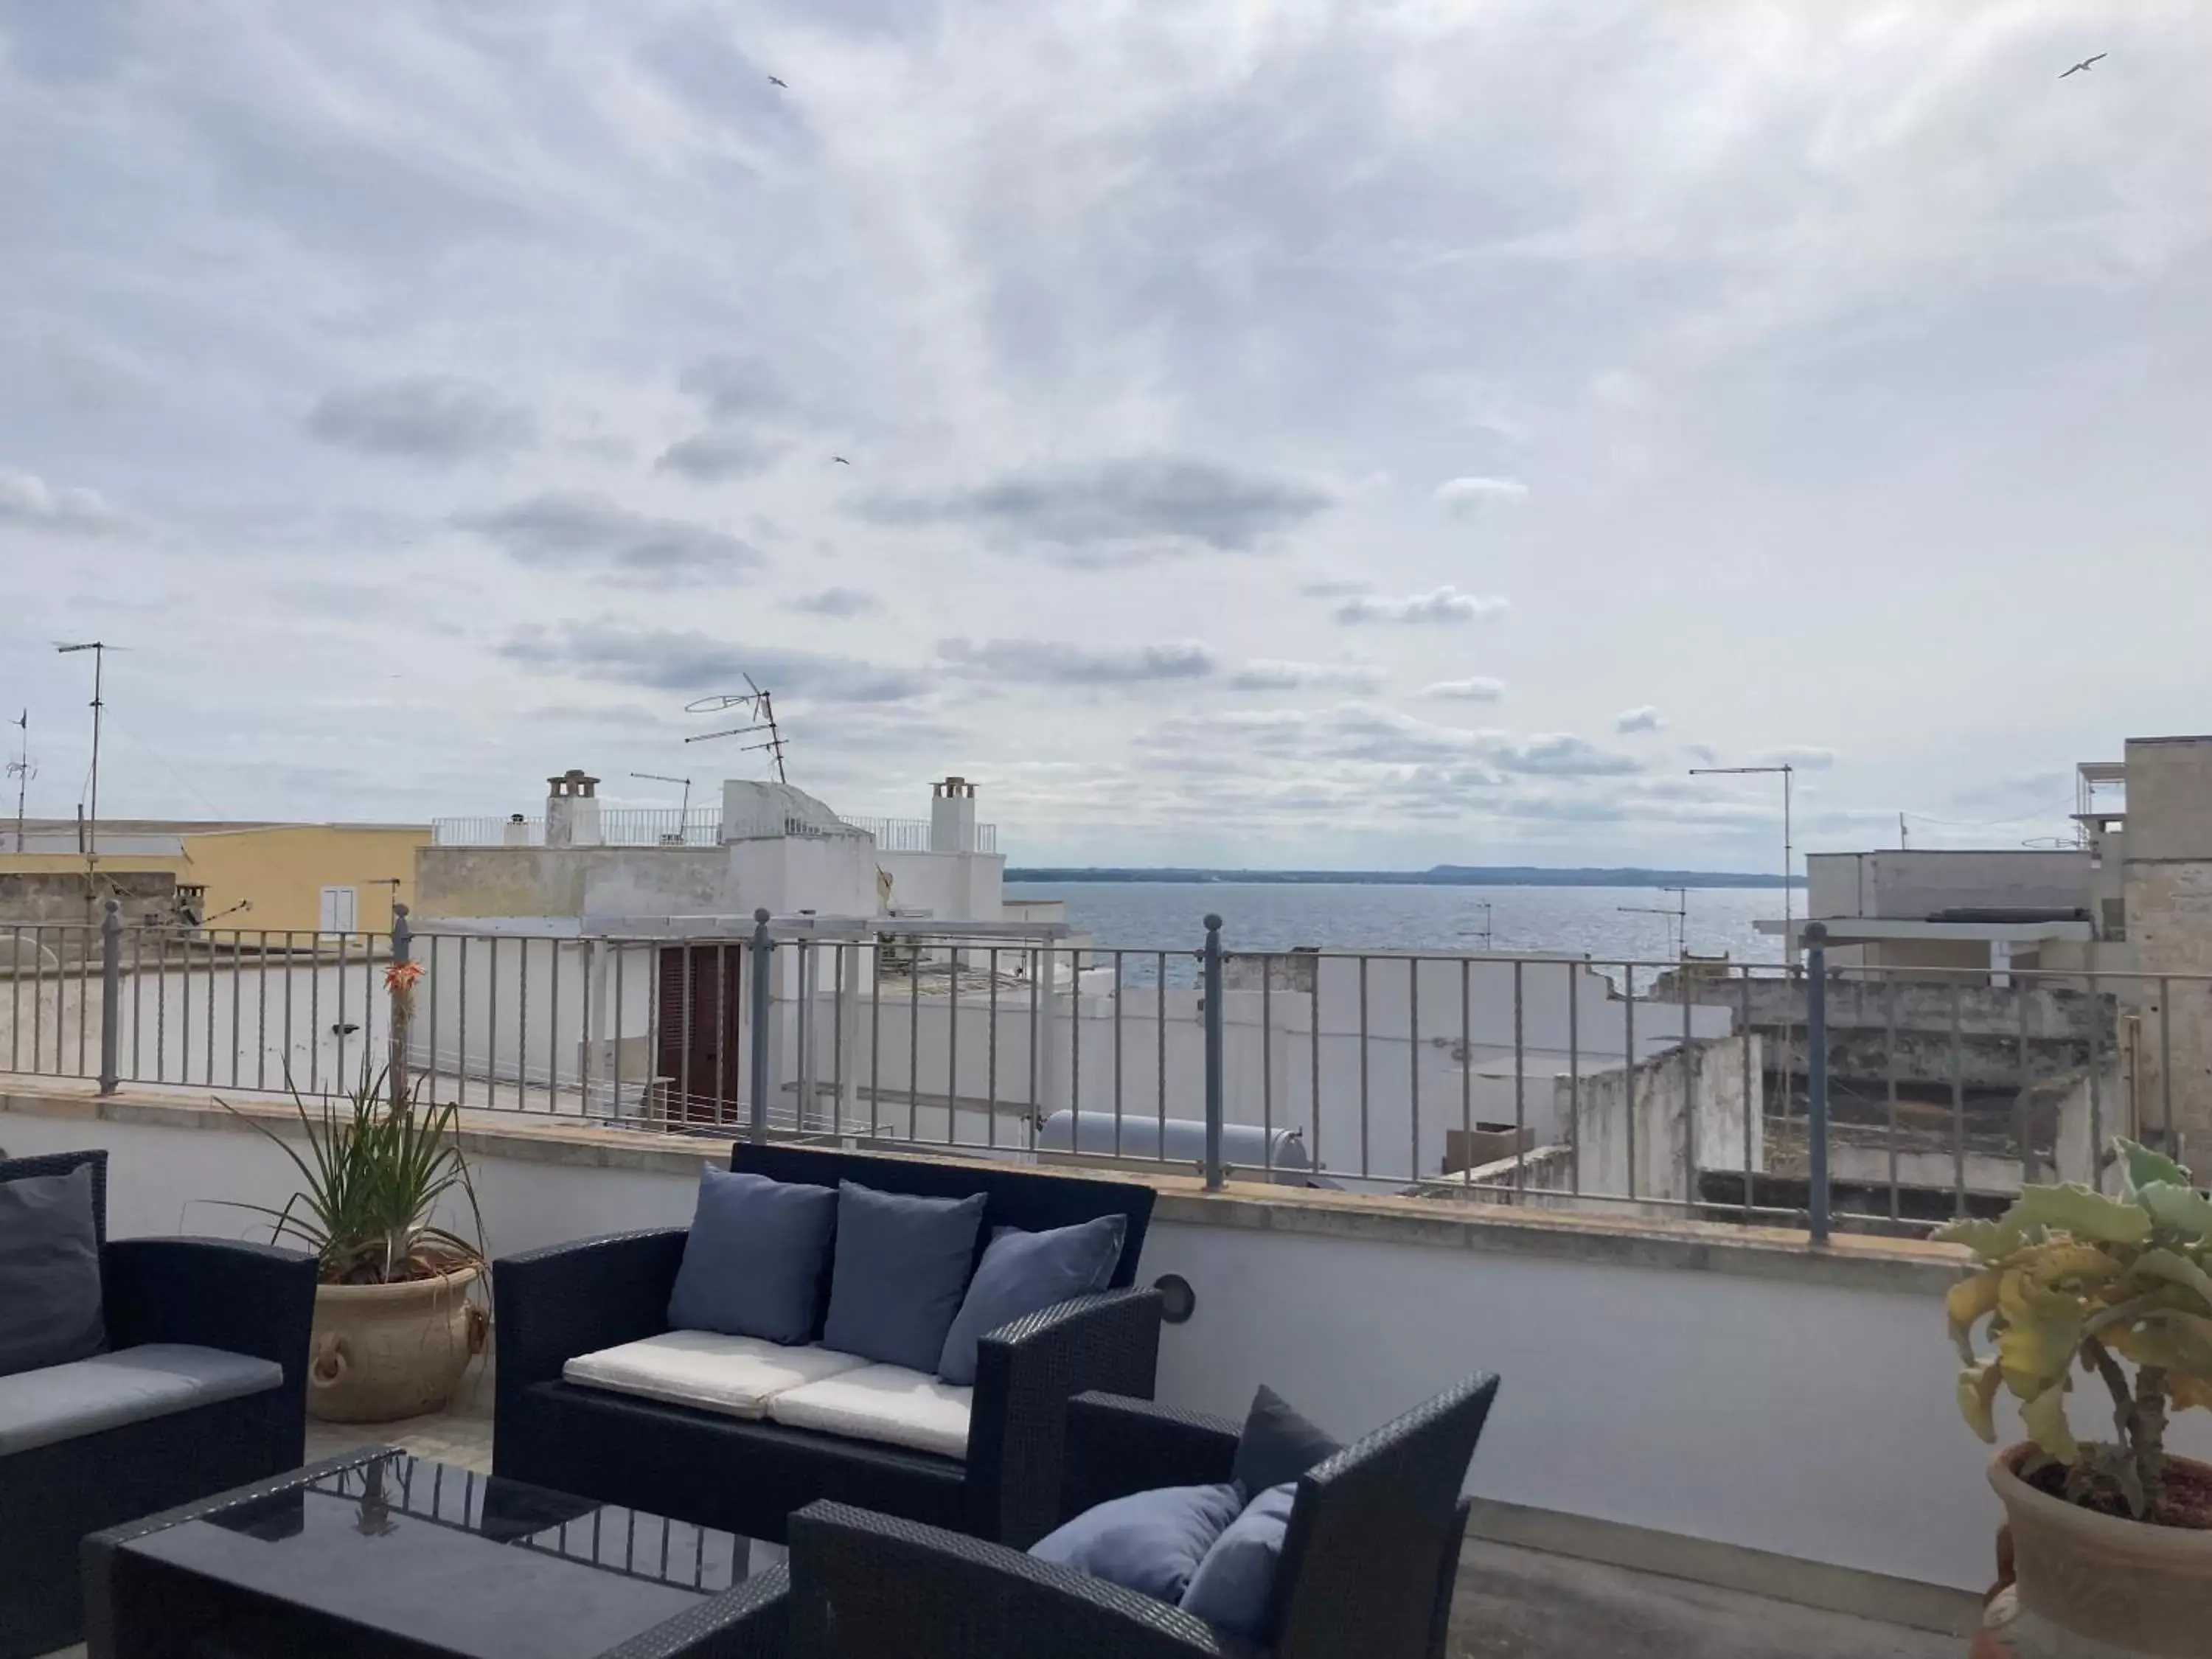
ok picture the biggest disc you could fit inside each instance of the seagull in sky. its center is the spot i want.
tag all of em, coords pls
(2083, 64)
(840, 460)
(774, 80)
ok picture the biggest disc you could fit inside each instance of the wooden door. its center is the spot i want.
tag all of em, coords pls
(696, 1053)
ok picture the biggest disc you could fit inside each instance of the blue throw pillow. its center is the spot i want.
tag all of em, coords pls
(1023, 1272)
(50, 1308)
(1149, 1542)
(1277, 1444)
(1236, 1581)
(901, 1265)
(753, 1264)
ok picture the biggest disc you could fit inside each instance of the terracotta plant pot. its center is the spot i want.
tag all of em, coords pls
(382, 1352)
(2136, 1587)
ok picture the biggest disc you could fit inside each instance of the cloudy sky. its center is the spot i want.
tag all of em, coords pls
(1370, 434)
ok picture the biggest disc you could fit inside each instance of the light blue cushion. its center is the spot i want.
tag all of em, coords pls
(61, 1402)
(1235, 1582)
(753, 1264)
(50, 1310)
(901, 1267)
(1024, 1273)
(1149, 1542)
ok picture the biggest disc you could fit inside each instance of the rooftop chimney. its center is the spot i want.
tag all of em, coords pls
(952, 816)
(515, 832)
(572, 810)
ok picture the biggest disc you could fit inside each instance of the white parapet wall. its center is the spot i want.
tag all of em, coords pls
(1736, 1388)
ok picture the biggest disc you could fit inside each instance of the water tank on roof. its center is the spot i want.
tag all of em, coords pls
(1244, 1146)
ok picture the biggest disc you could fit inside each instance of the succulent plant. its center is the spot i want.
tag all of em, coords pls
(2118, 1285)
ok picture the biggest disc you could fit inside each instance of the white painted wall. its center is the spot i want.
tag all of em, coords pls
(1811, 1420)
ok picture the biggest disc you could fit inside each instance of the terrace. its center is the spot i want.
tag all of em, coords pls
(1726, 1425)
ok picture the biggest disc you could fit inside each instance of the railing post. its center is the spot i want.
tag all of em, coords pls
(1213, 1057)
(1816, 1076)
(762, 963)
(402, 1000)
(110, 995)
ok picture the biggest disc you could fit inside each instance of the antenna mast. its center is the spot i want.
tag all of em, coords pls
(22, 769)
(99, 649)
(757, 703)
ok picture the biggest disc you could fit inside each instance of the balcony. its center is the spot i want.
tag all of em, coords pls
(1718, 1433)
(1624, 1508)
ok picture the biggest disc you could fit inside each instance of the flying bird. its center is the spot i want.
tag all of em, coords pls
(774, 80)
(840, 460)
(2083, 64)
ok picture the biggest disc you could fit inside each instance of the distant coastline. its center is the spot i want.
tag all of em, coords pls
(1442, 875)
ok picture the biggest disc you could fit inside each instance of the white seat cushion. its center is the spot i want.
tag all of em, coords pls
(736, 1375)
(61, 1402)
(888, 1403)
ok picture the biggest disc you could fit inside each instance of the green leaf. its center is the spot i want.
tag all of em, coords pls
(2176, 1269)
(1990, 1240)
(2045, 1419)
(1978, 1394)
(2038, 1349)
(2145, 1168)
(2082, 1211)
(2180, 1207)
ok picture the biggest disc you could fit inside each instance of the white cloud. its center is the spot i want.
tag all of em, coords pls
(29, 501)
(1056, 662)
(1466, 497)
(1478, 687)
(1268, 675)
(838, 602)
(1442, 604)
(1805, 757)
(1739, 291)
(584, 532)
(1643, 719)
(435, 419)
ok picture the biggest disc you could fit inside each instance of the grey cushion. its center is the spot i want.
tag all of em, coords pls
(1234, 1585)
(902, 1266)
(752, 1265)
(1277, 1444)
(50, 1310)
(1023, 1273)
(61, 1402)
(1150, 1542)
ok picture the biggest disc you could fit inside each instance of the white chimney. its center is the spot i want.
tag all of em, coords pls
(572, 810)
(515, 832)
(952, 816)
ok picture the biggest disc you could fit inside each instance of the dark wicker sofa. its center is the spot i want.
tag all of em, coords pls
(1366, 1571)
(244, 1299)
(747, 1477)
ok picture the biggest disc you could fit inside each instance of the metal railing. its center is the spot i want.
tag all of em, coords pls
(1871, 1099)
(702, 826)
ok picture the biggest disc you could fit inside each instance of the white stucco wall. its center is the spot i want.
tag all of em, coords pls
(1786, 1415)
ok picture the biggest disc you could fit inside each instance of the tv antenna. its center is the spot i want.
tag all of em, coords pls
(759, 706)
(684, 817)
(22, 769)
(1677, 914)
(99, 649)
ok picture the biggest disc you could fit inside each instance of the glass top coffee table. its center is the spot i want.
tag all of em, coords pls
(380, 1555)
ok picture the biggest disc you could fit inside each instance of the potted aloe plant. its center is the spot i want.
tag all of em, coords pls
(2112, 1539)
(399, 1313)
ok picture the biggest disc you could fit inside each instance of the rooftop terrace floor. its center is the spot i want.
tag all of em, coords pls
(1510, 1601)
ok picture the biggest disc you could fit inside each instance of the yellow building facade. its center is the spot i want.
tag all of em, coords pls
(279, 876)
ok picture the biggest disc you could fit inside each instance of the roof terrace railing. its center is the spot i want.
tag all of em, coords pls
(1870, 1099)
(702, 826)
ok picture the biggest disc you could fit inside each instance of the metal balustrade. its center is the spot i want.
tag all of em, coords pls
(1877, 1099)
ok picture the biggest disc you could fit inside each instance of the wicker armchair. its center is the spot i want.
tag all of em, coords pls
(244, 1298)
(1367, 1567)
